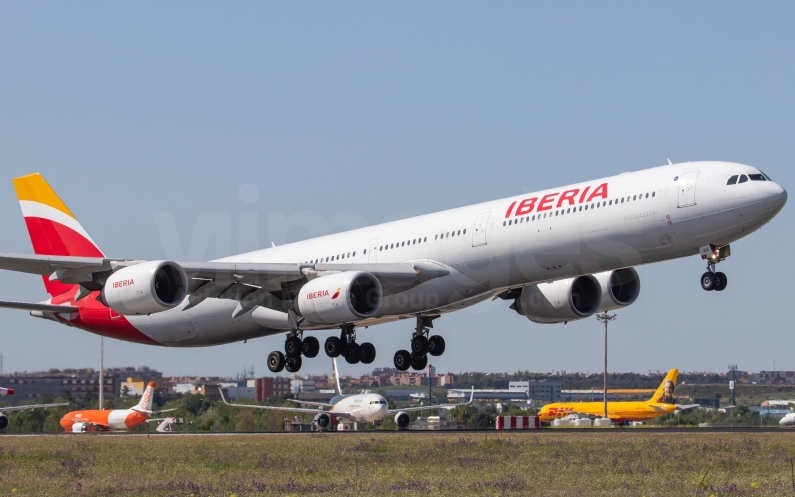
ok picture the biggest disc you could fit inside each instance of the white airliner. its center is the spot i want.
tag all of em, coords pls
(356, 408)
(10, 391)
(559, 255)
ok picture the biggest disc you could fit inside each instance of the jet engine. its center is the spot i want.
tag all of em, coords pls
(620, 288)
(322, 421)
(339, 298)
(145, 288)
(402, 420)
(3, 422)
(560, 301)
(79, 428)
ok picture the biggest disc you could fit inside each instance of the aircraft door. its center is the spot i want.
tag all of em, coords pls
(479, 230)
(687, 189)
(372, 252)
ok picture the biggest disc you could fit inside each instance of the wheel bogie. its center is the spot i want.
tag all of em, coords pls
(367, 351)
(293, 364)
(310, 347)
(402, 360)
(334, 346)
(352, 353)
(276, 361)
(293, 346)
(419, 361)
(436, 345)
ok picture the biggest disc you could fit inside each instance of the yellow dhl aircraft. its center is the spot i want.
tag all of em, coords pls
(662, 402)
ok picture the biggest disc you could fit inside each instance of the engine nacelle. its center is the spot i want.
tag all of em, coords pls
(79, 428)
(402, 420)
(340, 298)
(620, 288)
(322, 421)
(145, 288)
(560, 301)
(3, 422)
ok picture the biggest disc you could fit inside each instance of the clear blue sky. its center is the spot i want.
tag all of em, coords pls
(159, 123)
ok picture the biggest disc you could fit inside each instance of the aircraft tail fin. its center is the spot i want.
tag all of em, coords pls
(146, 399)
(52, 227)
(665, 392)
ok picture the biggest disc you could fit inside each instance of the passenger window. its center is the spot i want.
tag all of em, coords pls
(634, 197)
(586, 207)
(652, 193)
(756, 177)
(732, 180)
(465, 231)
(425, 239)
(459, 232)
(743, 178)
(534, 217)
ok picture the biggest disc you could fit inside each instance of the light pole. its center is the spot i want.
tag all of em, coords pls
(605, 318)
(732, 384)
(101, 373)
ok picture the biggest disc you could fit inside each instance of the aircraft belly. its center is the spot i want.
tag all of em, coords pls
(433, 294)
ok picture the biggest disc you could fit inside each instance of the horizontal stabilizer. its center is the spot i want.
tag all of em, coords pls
(26, 306)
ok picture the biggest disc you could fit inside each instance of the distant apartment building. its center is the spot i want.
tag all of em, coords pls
(271, 386)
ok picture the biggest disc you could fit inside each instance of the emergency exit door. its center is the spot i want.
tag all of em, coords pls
(479, 231)
(687, 189)
(372, 253)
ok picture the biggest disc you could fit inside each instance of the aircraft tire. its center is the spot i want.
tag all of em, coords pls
(402, 360)
(352, 353)
(310, 347)
(436, 345)
(367, 351)
(276, 361)
(293, 364)
(722, 282)
(709, 281)
(419, 345)
(419, 361)
(293, 347)
(333, 346)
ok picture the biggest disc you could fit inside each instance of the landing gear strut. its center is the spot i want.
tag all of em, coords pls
(347, 347)
(421, 346)
(714, 280)
(295, 345)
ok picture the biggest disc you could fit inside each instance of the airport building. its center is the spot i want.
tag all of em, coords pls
(539, 391)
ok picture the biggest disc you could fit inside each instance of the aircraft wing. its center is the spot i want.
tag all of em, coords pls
(273, 408)
(27, 306)
(682, 407)
(32, 406)
(256, 283)
(438, 406)
(317, 404)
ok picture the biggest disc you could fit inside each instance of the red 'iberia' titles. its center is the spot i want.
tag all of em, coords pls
(317, 295)
(547, 202)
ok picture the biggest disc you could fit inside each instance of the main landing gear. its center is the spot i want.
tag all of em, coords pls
(714, 280)
(294, 347)
(421, 346)
(347, 347)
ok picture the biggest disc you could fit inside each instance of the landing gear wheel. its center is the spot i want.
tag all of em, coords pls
(722, 282)
(334, 346)
(709, 281)
(419, 345)
(402, 360)
(293, 364)
(436, 345)
(310, 347)
(352, 353)
(276, 361)
(367, 351)
(418, 362)
(293, 347)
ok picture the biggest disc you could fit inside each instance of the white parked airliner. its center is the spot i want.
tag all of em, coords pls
(559, 255)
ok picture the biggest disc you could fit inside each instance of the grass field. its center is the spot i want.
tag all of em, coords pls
(555, 464)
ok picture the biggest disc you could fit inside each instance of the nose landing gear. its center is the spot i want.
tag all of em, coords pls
(421, 346)
(714, 280)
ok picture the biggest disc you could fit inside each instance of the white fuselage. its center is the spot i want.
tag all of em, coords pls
(363, 408)
(621, 221)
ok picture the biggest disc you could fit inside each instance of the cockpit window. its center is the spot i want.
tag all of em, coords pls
(757, 177)
(732, 180)
(766, 175)
(743, 178)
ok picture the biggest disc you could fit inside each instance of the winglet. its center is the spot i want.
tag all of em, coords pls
(472, 395)
(670, 163)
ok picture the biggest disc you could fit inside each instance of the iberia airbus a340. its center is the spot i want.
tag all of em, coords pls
(558, 255)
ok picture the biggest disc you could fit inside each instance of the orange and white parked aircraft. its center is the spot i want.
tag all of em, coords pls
(115, 419)
(662, 402)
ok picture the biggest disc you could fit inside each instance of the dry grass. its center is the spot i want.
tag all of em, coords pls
(599, 463)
